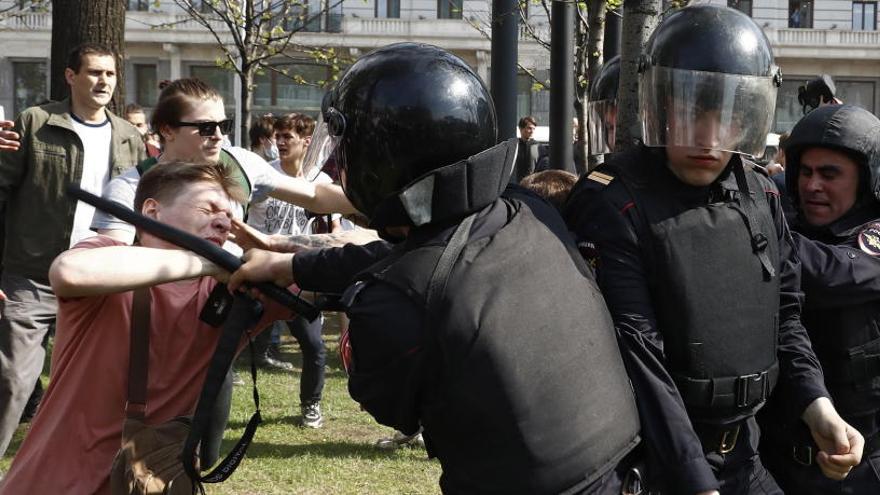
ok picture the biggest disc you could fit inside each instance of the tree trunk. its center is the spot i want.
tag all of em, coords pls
(95, 21)
(247, 98)
(639, 19)
(597, 36)
(582, 86)
(595, 44)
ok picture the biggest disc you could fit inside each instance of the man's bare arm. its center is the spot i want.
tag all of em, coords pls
(249, 238)
(104, 270)
(315, 197)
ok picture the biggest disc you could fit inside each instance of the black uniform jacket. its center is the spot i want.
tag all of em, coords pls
(602, 216)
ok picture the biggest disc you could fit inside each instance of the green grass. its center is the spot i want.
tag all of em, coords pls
(284, 458)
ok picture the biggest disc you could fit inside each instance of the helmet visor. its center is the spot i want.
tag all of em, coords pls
(708, 110)
(322, 145)
(601, 126)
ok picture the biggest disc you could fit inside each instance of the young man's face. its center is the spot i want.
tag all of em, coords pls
(138, 120)
(185, 143)
(526, 132)
(201, 208)
(828, 184)
(700, 165)
(291, 146)
(95, 82)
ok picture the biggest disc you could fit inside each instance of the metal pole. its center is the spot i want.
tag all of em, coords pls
(613, 24)
(561, 84)
(505, 35)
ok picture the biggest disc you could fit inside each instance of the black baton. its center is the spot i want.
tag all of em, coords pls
(222, 258)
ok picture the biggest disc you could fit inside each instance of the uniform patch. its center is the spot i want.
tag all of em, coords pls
(869, 239)
(601, 178)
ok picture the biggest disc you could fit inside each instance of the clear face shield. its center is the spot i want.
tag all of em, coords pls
(324, 141)
(707, 110)
(601, 126)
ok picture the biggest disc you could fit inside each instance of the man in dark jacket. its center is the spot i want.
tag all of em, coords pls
(455, 328)
(832, 172)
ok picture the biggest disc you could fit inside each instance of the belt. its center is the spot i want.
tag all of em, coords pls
(721, 439)
(734, 391)
(805, 455)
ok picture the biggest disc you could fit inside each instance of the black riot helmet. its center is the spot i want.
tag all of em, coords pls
(399, 113)
(707, 80)
(602, 108)
(846, 128)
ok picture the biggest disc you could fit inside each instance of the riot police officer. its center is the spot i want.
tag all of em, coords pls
(456, 329)
(602, 109)
(833, 173)
(694, 260)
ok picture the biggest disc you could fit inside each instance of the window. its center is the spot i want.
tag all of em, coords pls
(858, 93)
(29, 81)
(280, 94)
(145, 85)
(744, 6)
(449, 9)
(864, 16)
(388, 9)
(204, 6)
(788, 110)
(800, 13)
(140, 5)
(218, 78)
(302, 19)
(531, 102)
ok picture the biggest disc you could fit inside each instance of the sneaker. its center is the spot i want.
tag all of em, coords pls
(311, 415)
(271, 363)
(236, 378)
(274, 352)
(400, 440)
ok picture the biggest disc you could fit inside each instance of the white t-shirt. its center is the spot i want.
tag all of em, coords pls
(95, 174)
(274, 216)
(121, 189)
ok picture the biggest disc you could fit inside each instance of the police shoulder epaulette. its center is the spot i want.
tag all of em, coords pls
(601, 178)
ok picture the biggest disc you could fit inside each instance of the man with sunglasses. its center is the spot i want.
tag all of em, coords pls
(190, 118)
(74, 141)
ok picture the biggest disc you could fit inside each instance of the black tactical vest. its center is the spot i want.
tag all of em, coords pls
(847, 343)
(717, 305)
(525, 389)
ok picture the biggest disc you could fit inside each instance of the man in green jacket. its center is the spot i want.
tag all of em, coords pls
(75, 141)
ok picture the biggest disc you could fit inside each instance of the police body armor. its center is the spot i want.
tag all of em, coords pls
(524, 389)
(716, 300)
(847, 343)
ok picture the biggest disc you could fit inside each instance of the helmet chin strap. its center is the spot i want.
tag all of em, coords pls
(452, 191)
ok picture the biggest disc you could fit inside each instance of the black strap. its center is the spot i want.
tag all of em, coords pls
(734, 391)
(862, 364)
(138, 354)
(759, 239)
(443, 268)
(243, 316)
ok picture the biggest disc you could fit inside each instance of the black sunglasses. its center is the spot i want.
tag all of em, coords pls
(207, 129)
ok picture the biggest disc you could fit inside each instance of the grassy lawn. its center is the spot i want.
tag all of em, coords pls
(339, 458)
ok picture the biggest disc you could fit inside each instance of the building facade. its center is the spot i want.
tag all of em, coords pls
(810, 37)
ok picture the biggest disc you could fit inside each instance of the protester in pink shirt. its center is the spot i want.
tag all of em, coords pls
(78, 429)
